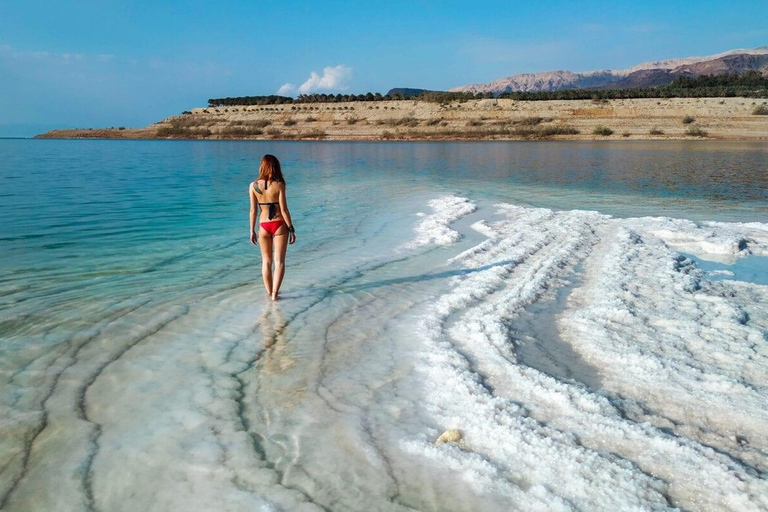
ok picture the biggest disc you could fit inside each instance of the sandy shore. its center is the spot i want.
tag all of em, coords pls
(633, 119)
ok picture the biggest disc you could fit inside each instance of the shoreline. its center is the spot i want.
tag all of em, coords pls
(334, 139)
(473, 120)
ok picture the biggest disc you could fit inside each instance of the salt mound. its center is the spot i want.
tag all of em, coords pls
(433, 229)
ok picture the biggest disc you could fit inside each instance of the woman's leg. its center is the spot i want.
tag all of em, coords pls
(281, 244)
(265, 244)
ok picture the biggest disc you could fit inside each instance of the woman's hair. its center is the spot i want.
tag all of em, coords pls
(270, 169)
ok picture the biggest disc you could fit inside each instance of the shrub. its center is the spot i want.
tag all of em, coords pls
(386, 134)
(521, 132)
(696, 131)
(432, 122)
(602, 130)
(183, 132)
(289, 122)
(241, 131)
(688, 119)
(656, 131)
(274, 131)
(310, 119)
(167, 132)
(352, 120)
(529, 121)
(314, 134)
(626, 134)
(403, 121)
(760, 110)
(474, 122)
(191, 122)
(407, 121)
(548, 131)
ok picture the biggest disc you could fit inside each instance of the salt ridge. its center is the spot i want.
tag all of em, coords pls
(664, 339)
(433, 228)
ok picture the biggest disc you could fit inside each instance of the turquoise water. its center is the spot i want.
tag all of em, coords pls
(135, 333)
(85, 220)
(752, 269)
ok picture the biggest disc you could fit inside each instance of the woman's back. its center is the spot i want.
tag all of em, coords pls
(268, 193)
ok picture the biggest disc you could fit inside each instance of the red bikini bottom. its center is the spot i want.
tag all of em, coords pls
(272, 226)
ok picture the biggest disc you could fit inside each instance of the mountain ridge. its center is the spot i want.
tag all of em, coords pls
(645, 74)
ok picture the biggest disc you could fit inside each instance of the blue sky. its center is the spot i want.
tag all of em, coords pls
(108, 63)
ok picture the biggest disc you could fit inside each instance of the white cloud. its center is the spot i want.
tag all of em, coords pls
(333, 78)
(286, 89)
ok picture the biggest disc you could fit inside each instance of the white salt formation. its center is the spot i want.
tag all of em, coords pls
(433, 228)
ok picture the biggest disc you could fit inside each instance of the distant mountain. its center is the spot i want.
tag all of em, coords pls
(647, 74)
(407, 91)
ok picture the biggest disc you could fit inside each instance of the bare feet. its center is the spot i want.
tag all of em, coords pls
(275, 297)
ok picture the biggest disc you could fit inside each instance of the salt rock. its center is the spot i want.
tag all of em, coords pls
(449, 436)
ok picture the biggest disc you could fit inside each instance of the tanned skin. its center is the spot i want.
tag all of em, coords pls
(273, 247)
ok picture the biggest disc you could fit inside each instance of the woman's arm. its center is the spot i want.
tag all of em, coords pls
(254, 203)
(286, 214)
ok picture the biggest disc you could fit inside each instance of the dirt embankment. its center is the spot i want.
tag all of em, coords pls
(675, 118)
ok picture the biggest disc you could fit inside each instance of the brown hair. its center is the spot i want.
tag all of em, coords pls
(270, 169)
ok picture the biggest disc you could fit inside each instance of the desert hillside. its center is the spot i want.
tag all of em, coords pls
(487, 119)
(643, 75)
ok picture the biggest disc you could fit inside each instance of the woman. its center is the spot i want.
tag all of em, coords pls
(268, 192)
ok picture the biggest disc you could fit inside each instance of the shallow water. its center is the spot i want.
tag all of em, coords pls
(593, 357)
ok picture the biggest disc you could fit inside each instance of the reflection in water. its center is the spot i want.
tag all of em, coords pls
(275, 358)
(715, 170)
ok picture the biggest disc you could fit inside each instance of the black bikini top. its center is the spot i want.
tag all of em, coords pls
(272, 206)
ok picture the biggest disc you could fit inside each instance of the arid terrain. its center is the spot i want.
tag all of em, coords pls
(486, 119)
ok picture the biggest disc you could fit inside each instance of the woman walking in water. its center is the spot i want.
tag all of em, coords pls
(268, 192)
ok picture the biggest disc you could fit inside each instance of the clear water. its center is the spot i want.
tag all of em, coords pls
(752, 269)
(136, 337)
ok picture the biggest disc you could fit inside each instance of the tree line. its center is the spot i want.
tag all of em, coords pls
(272, 99)
(343, 98)
(749, 85)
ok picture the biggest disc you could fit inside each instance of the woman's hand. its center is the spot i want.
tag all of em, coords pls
(254, 239)
(292, 237)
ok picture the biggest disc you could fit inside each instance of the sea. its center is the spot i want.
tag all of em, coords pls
(551, 326)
